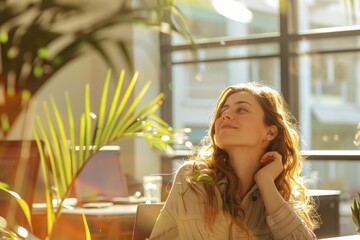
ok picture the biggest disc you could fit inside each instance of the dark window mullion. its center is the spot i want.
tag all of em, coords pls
(166, 110)
(284, 50)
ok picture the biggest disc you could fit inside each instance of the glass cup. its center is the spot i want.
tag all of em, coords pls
(152, 188)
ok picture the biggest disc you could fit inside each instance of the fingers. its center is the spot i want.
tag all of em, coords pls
(271, 166)
(269, 157)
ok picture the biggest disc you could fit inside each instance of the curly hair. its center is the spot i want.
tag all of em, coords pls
(212, 160)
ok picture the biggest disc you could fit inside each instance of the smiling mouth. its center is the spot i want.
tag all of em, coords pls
(228, 127)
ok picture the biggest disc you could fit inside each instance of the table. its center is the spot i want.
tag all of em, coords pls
(350, 237)
(105, 223)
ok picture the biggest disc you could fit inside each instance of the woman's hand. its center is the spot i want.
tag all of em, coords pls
(272, 166)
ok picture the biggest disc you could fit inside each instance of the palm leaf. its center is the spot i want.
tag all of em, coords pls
(129, 117)
(87, 231)
(48, 185)
(121, 120)
(49, 149)
(22, 203)
(144, 113)
(72, 134)
(355, 211)
(58, 165)
(81, 141)
(119, 109)
(87, 136)
(65, 153)
(102, 110)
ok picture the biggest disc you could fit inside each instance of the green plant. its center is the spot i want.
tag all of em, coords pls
(355, 210)
(357, 136)
(119, 116)
(120, 120)
(36, 41)
(23, 205)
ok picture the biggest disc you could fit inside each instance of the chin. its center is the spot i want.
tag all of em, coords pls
(223, 146)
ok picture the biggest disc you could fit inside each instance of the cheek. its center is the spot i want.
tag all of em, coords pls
(217, 123)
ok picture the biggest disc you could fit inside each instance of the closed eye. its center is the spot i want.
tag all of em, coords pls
(241, 110)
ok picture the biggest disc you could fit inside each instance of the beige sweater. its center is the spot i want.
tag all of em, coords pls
(182, 218)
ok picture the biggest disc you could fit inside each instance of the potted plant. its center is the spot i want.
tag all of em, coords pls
(34, 47)
(36, 42)
(355, 208)
(355, 211)
(118, 117)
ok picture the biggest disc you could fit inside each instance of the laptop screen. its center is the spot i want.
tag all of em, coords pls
(102, 178)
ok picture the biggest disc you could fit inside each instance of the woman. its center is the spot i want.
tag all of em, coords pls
(245, 182)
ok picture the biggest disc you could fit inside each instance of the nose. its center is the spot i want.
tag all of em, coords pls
(226, 115)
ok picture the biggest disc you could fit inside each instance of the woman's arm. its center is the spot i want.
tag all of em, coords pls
(282, 220)
(166, 225)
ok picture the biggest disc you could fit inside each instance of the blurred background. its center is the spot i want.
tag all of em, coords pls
(307, 49)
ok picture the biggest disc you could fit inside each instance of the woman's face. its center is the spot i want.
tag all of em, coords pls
(241, 123)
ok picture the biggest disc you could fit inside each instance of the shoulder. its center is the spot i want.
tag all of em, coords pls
(189, 166)
(185, 169)
(186, 165)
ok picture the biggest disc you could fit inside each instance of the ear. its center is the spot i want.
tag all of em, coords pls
(271, 133)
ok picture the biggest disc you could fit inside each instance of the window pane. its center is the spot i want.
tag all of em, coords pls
(212, 18)
(336, 175)
(324, 14)
(329, 44)
(228, 52)
(196, 88)
(330, 100)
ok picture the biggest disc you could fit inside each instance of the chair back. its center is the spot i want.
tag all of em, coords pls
(19, 164)
(145, 219)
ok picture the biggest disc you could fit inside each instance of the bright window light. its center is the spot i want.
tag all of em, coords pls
(273, 3)
(233, 10)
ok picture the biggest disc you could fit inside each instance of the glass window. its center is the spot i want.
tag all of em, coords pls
(343, 43)
(228, 53)
(197, 87)
(316, 14)
(331, 175)
(330, 103)
(322, 82)
(229, 18)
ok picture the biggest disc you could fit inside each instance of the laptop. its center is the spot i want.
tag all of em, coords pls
(102, 178)
(145, 219)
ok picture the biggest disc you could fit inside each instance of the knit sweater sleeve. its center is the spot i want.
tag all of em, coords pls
(166, 226)
(182, 214)
(285, 224)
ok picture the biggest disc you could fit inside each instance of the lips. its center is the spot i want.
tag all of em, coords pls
(228, 126)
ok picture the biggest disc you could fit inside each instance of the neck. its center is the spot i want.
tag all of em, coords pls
(246, 164)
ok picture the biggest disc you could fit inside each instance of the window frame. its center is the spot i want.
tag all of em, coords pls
(287, 38)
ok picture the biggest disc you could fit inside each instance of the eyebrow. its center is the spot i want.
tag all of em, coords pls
(237, 103)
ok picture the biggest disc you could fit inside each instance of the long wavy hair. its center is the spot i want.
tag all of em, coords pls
(211, 160)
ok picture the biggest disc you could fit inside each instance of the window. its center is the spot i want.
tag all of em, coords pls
(310, 53)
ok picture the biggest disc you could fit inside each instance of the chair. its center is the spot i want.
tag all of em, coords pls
(19, 164)
(145, 219)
